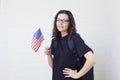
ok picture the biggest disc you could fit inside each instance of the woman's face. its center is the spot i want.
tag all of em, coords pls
(62, 22)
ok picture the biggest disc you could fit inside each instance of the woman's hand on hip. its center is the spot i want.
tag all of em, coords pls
(70, 73)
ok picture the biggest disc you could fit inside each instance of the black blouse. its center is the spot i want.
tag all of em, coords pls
(64, 58)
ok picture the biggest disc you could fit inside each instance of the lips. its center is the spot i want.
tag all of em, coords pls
(61, 26)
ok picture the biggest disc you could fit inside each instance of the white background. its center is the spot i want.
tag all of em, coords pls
(98, 22)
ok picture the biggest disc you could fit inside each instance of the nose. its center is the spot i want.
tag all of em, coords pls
(61, 22)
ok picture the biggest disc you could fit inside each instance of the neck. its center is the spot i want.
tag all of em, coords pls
(64, 34)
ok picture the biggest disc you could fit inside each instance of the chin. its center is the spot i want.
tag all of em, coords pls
(60, 30)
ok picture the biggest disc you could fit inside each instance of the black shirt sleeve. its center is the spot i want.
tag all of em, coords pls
(52, 47)
(80, 45)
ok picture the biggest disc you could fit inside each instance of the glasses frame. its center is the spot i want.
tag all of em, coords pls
(64, 21)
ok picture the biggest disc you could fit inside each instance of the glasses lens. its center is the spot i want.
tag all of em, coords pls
(62, 20)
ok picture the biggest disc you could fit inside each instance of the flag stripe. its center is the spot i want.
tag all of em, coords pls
(37, 43)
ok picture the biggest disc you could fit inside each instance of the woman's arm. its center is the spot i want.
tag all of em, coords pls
(50, 61)
(90, 61)
(49, 55)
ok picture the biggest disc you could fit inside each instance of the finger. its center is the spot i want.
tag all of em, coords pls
(66, 73)
(67, 76)
(47, 47)
(67, 69)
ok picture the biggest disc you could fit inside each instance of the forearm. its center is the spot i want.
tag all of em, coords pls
(50, 60)
(87, 66)
(90, 61)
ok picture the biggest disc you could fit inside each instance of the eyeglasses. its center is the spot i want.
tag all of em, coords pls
(62, 20)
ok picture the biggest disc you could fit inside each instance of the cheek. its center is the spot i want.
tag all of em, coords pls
(57, 24)
(66, 27)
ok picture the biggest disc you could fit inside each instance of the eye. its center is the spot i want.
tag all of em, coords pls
(58, 20)
(64, 21)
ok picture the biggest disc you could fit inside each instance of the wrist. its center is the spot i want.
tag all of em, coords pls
(78, 75)
(49, 55)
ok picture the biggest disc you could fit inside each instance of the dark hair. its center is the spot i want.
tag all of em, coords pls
(72, 26)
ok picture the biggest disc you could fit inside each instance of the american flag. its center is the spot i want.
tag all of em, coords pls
(37, 40)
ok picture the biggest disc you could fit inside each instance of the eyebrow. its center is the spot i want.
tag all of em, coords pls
(63, 19)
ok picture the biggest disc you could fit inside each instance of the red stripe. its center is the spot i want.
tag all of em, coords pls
(35, 45)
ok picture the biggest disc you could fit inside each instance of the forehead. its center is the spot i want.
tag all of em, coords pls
(63, 16)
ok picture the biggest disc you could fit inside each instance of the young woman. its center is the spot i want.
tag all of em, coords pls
(61, 59)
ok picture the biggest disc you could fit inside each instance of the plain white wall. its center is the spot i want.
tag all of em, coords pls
(97, 22)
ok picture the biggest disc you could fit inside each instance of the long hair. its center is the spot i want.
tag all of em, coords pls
(72, 26)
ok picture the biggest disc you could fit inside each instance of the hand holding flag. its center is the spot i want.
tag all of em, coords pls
(37, 40)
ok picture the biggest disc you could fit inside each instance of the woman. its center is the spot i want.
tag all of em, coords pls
(61, 59)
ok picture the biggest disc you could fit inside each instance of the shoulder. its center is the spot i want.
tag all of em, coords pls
(53, 40)
(53, 43)
(76, 36)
